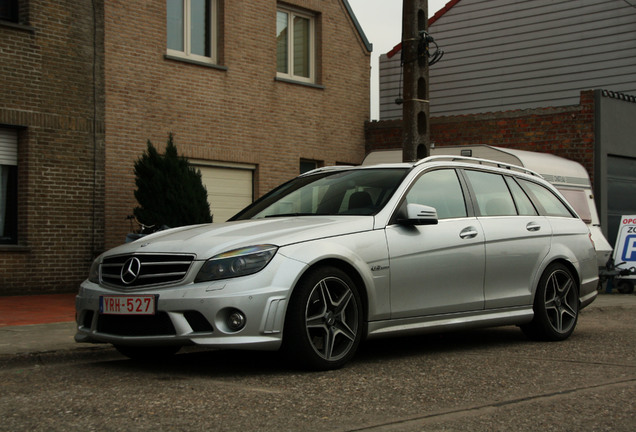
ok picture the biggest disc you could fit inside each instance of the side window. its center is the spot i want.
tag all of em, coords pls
(492, 194)
(8, 186)
(550, 202)
(439, 189)
(523, 203)
(307, 165)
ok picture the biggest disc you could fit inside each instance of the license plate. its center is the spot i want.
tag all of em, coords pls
(127, 305)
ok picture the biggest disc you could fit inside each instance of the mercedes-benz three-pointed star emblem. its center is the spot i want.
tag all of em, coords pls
(130, 270)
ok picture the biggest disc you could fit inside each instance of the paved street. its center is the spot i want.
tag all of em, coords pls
(471, 381)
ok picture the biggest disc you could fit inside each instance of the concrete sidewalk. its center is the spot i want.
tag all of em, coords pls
(46, 323)
(37, 324)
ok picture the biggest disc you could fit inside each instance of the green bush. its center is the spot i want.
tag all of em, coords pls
(169, 190)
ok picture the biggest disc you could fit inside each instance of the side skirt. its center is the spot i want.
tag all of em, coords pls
(457, 321)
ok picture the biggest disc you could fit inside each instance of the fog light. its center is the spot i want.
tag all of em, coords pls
(236, 320)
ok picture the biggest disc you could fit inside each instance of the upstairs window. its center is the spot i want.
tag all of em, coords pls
(295, 36)
(191, 29)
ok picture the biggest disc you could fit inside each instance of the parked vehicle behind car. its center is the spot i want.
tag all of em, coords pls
(342, 254)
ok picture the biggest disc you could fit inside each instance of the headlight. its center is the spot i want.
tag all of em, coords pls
(93, 274)
(239, 262)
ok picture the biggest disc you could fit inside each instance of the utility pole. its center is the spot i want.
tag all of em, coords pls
(415, 111)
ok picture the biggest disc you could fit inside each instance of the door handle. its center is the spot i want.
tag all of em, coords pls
(533, 226)
(468, 232)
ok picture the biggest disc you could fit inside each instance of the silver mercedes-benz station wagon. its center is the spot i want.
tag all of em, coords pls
(342, 254)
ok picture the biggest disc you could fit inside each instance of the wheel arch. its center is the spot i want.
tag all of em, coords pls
(351, 271)
(568, 264)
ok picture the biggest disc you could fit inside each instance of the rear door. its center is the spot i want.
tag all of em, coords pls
(517, 238)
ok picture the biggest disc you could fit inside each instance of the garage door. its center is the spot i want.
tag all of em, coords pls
(229, 189)
(621, 192)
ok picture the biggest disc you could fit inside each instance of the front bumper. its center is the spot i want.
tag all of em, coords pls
(196, 313)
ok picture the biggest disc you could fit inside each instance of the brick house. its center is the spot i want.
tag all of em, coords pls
(51, 144)
(253, 92)
(544, 76)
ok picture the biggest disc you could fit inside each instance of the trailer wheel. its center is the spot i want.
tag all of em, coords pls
(625, 286)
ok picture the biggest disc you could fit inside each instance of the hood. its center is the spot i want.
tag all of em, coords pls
(208, 240)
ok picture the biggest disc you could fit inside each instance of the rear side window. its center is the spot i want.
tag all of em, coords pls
(439, 189)
(492, 194)
(551, 204)
(523, 203)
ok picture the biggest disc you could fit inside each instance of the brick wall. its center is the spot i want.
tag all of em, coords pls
(50, 63)
(87, 84)
(238, 115)
(563, 131)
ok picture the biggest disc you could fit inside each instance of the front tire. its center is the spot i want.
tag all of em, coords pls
(556, 305)
(324, 323)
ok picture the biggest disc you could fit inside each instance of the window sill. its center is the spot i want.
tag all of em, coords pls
(14, 248)
(196, 62)
(17, 26)
(306, 84)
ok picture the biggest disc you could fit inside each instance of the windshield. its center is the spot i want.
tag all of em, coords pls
(350, 192)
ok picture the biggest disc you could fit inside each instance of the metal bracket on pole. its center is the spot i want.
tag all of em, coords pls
(415, 108)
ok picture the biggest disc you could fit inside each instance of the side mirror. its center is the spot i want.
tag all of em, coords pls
(418, 214)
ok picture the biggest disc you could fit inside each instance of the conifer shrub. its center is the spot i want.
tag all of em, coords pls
(170, 192)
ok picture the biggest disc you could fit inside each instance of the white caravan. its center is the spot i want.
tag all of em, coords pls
(569, 177)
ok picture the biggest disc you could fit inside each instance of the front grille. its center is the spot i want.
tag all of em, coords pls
(136, 325)
(140, 270)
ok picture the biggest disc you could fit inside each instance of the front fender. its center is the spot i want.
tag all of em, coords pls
(366, 253)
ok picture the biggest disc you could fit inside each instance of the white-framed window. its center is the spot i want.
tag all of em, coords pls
(192, 29)
(295, 45)
(8, 186)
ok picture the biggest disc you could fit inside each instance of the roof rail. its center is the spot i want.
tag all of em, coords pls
(479, 161)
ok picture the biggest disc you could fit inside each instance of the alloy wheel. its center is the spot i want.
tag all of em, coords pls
(331, 318)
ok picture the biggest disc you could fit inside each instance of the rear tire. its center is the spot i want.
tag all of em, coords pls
(556, 305)
(324, 322)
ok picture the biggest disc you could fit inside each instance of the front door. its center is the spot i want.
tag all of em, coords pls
(437, 268)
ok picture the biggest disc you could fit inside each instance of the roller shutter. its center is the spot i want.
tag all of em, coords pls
(8, 147)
